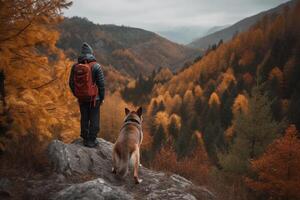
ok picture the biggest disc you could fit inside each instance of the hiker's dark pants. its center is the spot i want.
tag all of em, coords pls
(89, 123)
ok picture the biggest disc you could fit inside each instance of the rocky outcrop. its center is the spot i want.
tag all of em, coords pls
(75, 159)
(5, 187)
(95, 189)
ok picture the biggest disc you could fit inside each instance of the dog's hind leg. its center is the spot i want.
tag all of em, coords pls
(114, 162)
(136, 158)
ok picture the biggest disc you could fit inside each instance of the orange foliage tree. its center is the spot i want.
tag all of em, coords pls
(36, 97)
(278, 168)
(34, 68)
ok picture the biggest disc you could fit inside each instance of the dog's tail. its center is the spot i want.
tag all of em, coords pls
(122, 160)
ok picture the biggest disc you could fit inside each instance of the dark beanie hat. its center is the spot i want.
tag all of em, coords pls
(86, 49)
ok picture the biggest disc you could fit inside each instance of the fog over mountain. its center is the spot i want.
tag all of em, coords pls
(183, 35)
(228, 32)
(175, 19)
(186, 34)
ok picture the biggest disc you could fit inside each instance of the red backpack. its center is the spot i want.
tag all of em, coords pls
(85, 89)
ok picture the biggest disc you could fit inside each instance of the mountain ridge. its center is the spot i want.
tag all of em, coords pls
(130, 50)
(243, 25)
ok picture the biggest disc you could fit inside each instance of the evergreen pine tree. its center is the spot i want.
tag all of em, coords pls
(159, 138)
(253, 130)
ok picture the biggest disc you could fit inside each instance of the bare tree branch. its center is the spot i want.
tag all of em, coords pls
(45, 84)
(18, 33)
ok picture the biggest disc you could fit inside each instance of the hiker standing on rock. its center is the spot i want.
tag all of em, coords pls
(87, 84)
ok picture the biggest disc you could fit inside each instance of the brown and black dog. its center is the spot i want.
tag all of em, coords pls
(128, 144)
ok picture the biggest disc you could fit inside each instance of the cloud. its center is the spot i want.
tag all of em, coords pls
(163, 14)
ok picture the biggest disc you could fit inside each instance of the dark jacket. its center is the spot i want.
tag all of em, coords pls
(97, 73)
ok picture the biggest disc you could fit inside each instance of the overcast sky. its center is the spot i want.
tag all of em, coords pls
(157, 15)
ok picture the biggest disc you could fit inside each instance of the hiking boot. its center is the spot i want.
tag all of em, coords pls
(85, 142)
(83, 135)
(92, 143)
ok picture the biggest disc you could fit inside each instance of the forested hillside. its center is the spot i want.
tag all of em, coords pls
(226, 109)
(131, 51)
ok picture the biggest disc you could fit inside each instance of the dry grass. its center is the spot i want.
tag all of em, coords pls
(25, 154)
(196, 167)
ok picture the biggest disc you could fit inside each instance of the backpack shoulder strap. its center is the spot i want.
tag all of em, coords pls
(91, 64)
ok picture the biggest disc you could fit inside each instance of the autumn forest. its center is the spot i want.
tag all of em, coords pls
(226, 117)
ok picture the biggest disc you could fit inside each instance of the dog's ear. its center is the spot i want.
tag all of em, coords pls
(127, 111)
(139, 111)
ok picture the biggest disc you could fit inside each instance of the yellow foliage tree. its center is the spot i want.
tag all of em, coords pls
(227, 79)
(162, 118)
(214, 99)
(240, 105)
(177, 102)
(276, 76)
(174, 125)
(188, 103)
(198, 91)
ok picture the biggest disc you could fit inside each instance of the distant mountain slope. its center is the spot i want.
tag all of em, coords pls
(241, 26)
(215, 29)
(183, 34)
(129, 50)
